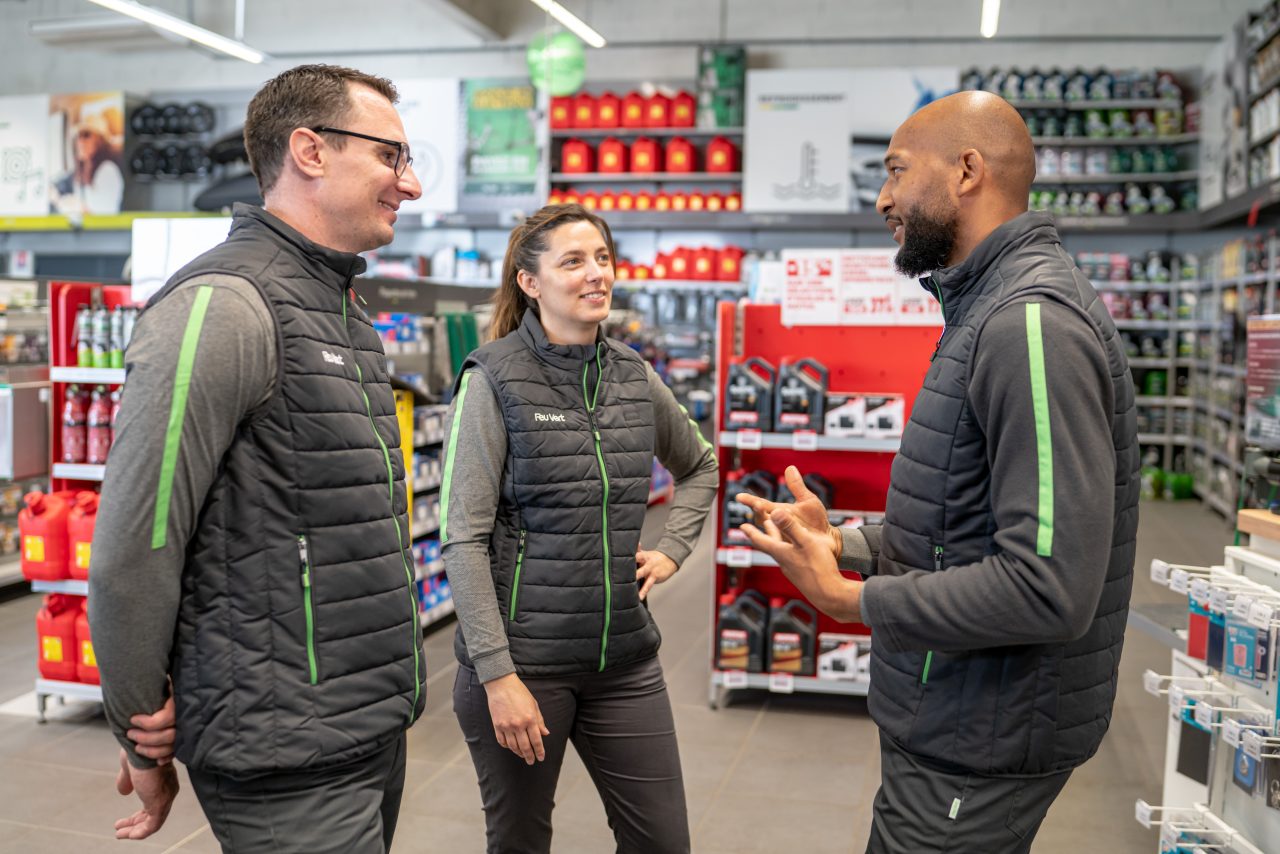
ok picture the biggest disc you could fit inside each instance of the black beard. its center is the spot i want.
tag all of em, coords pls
(928, 241)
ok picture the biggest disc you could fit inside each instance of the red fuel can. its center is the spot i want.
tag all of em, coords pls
(84, 512)
(56, 637)
(657, 111)
(613, 155)
(42, 526)
(608, 110)
(633, 110)
(646, 155)
(681, 266)
(683, 110)
(679, 202)
(86, 661)
(704, 264)
(584, 110)
(561, 113)
(680, 155)
(576, 157)
(626, 201)
(722, 156)
(644, 201)
(729, 264)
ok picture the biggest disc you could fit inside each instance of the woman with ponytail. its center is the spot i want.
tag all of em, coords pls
(549, 449)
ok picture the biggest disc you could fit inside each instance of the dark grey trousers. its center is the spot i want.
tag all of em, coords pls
(921, 809)
(620, 723)
(348, 809)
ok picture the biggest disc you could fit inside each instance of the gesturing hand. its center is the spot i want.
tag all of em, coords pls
(156, 788)
(653, 568)
(517, 720)
(807, 508)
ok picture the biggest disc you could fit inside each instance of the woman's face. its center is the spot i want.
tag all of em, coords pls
(574, 282)
(87, 144)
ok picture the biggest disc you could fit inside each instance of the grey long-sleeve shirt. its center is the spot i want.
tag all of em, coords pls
(134, 588)
(476, 486)
(1016, 595)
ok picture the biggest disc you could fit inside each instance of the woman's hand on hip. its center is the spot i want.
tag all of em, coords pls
(653, 568)
(517, 720)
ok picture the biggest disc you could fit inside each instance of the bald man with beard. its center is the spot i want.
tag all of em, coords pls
(997, 588)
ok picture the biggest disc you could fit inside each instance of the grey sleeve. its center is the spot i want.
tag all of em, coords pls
(475, 453)
(691, 459)
(860, 548)
(1052, 461)
(221, 332)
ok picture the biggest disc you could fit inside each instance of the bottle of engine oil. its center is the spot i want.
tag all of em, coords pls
(801, 396)
(793, 631)
(748, 397)
(760, 483)
(740, 632)
(817, 484)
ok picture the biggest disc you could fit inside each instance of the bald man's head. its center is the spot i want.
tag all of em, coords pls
(957, 168)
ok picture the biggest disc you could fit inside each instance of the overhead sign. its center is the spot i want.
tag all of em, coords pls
(852, 287)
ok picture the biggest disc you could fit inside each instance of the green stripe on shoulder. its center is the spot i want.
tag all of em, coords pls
(447, 486)
(1044, 433)
(178, 414)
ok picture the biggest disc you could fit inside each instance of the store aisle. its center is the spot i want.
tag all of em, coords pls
(764, 773)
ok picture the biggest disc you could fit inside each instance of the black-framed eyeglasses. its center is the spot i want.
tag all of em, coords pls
(403, 158)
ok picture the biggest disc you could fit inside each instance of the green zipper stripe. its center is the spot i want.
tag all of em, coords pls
(306, 603)
(447, 486)
(604, 506)
(1044, 435)
(178, 414)
(515, 584)
(391, 494)
(928, 662)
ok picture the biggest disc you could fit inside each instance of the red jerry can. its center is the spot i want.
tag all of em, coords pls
(646, 155)
(662, 202)
(657, 111)
(704, 264)
(715, 202)
(633, 110)
(622, 269)
(722, 156)
(662, 266)
(729, 264)
(641, 271)
(683, 110)
(584, 110)
(681, 264)
(608, 201)
(42, 526)
(608, 110)
(680, 155)
(56, 637)
(626, 201)
(679, 202)
(576, 157)
(644, 201)
(555, 197)
(589, 200)
(697, 202)
(84, 512)
(561, 113)
(86, 661)
(570, 197)
(733, 202)
(612, 154)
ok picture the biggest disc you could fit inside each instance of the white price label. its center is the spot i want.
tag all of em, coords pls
(1231, 732)
(1260, 615)
(804, 440)
(735, 679)
(1252, 743)
(1179, 581)
(1160, 572)
(1204, 715)
(1177, 699)
(750, 440)
(1142, 812)
(1169, 836)
(1200, 593)
(1240, 610)
(738, 557)
(1151, 681)
(1218, 600)
(782, 683)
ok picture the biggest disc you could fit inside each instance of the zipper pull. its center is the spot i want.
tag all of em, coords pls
(522, 539)
(302, 556)
(937, 558)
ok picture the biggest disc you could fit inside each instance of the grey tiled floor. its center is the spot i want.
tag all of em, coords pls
(763, 774)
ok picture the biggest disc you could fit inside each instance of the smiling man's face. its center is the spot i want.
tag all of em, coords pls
(921, 214)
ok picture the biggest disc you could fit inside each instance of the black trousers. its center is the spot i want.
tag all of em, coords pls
(347, 809)
(620, 723)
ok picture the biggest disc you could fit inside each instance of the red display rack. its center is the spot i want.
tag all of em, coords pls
(860, 359)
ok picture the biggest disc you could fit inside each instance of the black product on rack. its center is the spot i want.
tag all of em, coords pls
(760, 483)
(793, 632)
(748, 397)
(740, 631)
(817, 484)
(799, 399)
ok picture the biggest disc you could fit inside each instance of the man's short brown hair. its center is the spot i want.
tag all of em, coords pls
(304, 97)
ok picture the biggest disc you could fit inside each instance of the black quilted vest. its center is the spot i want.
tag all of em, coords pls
(580, 443)
(1020, 709)
(298, 643)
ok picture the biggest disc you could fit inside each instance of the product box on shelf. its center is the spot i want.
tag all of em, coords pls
(840, 656)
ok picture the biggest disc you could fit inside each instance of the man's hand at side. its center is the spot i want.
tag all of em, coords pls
(155, 734)
(156, 788)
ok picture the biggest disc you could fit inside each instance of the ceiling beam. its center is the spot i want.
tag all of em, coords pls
(479, 18)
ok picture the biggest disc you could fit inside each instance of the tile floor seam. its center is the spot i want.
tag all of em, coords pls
(57, 767)
(80, 833)
(733, 766)
(177, 845)
(436, 775)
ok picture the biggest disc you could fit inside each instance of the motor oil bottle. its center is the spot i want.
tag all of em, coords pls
(800, 400)
(793, 632)
(748, 397)
(817, 484)
(740, 632)
(760, 483)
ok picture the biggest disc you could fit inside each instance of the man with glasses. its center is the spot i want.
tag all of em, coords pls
(251, 576)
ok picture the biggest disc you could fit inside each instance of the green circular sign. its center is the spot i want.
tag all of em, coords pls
(557, 64)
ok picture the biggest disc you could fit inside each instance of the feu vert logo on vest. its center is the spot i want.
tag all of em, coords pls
(548, 416)
(331, 358)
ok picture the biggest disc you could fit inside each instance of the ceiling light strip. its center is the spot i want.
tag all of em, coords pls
(990, 18)
(185, 29)
(571, 22)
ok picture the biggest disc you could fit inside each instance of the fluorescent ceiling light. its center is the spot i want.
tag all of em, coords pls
(186, 29)
(990, 17)
(571, 21)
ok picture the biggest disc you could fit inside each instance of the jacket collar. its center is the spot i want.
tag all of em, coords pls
(567, 356)
(330, 265)
(1023, 230)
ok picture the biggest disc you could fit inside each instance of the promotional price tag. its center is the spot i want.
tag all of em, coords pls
(1200, 593)
(1169, 836)
(1142, 812)
(1240, 610)
(1260, 615)
(1252, 743)
(1151, 681)
(738, 557)
(1218, 600)
(1231, 732)
(1160, 572)
(1204, 715)
(804, 440)
(735, 679)
(1179, 581)
(1177, 699)
(750, 440)
(782, 683)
